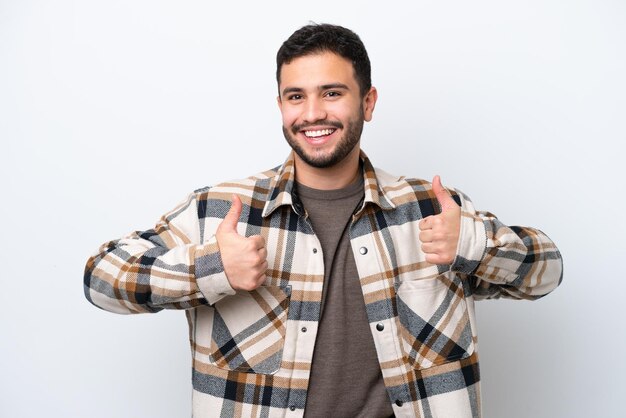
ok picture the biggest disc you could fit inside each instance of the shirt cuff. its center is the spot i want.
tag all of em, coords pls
(472, 244)
(210, 276)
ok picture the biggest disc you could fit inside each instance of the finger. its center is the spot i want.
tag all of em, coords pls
(429, 248)
(232, 217)
(259, 241)
(426, 236)
(425, 223)
(263, 253)
(260, 273)
(443, 197)
(259, 270)
(439, 258)
(434, 259)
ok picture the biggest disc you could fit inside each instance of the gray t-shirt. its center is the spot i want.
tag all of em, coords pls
(346, 380)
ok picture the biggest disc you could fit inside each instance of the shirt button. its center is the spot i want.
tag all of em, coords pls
(399, 402)
(303, 329)
(293, 408)
(363, 250)
(380, 326)
(314, 250)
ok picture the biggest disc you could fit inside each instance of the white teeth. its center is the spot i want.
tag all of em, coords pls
(321, 132)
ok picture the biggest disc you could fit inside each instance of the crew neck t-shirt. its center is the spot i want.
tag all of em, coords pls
(346, 380)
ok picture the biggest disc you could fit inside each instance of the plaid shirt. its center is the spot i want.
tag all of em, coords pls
(252, 351)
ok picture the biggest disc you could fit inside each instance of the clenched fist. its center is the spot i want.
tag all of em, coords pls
(440, 233)
(244, 258)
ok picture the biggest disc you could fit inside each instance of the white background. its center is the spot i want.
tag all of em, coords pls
(111, 112)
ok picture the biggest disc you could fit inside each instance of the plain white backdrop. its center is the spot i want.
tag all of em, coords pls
(111, 112)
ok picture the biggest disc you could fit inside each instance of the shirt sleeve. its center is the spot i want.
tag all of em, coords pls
(505, 261)
(167, 267)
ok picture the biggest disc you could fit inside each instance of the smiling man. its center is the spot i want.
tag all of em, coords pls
(326, 287)
(323, 108)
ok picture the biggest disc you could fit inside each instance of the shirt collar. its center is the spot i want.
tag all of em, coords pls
(282, 188)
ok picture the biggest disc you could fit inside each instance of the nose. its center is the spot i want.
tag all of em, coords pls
(314, 111)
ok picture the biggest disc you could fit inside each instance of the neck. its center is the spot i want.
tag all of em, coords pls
(330, 178)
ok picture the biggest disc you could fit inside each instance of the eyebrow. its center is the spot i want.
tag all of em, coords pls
(322, 87)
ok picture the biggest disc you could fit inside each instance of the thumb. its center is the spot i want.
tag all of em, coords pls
(443, 197)
(232, 217)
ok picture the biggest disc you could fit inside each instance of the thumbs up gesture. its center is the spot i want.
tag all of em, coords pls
(440, 233)
(244, 258)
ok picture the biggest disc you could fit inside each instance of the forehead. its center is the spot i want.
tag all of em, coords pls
(317, 69)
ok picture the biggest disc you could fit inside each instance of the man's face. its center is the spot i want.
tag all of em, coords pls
(322, 109)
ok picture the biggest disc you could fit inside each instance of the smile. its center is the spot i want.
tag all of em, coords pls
(318, 133)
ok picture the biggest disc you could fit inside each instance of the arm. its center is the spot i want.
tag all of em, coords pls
(505, 261)
(165, 267)
(498, 260)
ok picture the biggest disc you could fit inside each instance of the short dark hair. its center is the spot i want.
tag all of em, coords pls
(316, 38)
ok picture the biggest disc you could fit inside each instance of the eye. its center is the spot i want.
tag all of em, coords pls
(294, 97)
(333, 94)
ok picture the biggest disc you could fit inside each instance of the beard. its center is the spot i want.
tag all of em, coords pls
(344, 145)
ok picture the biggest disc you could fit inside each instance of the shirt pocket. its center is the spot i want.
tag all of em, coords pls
(248, 332)
(435, 322)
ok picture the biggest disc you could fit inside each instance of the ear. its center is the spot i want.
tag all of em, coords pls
(280, 103)
(369, 103)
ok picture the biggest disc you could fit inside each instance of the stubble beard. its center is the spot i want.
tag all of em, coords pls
(344, 146)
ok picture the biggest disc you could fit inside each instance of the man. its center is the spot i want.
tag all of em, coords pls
(325, 287)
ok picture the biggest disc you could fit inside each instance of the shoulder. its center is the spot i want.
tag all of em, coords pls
(252, 190)
(393, 184)
(403, 190)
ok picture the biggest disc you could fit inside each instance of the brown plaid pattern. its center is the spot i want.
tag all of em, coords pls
(248, 330)
(251, 357)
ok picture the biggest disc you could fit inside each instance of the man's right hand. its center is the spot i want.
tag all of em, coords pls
(244, 258)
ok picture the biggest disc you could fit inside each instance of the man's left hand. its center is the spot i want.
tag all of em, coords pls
(440, 233)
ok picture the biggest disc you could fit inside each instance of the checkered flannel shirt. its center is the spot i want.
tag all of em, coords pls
(251, 357)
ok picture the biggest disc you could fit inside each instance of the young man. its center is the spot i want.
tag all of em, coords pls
(326, 287)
